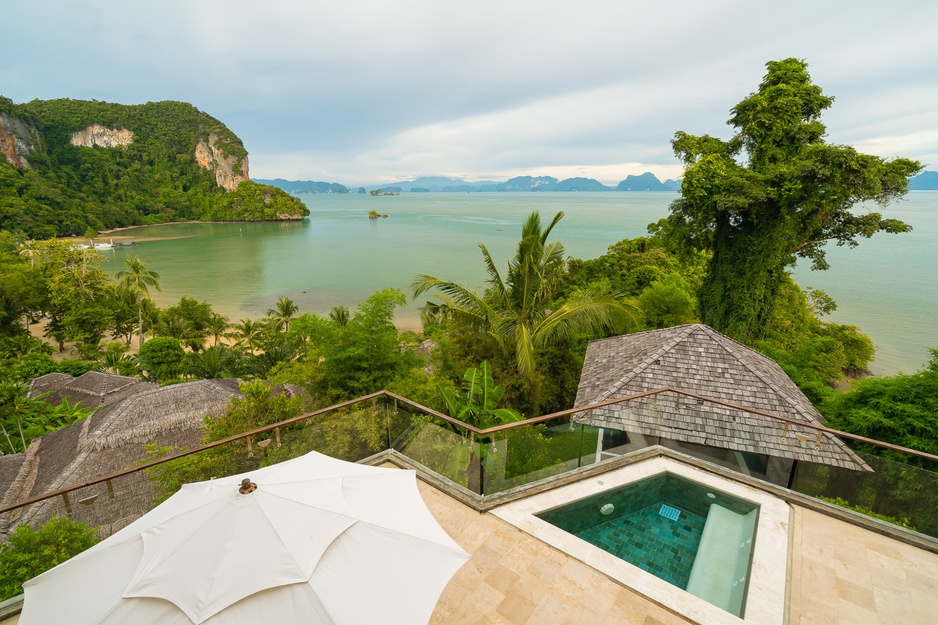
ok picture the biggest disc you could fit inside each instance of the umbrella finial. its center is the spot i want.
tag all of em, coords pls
(247, 486)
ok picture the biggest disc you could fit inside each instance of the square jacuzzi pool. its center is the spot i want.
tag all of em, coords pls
(690, 535)
(639, 494)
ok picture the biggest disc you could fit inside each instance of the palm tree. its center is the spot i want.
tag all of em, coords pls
(248, 333)
(516, 310)
(138, 278)
(218, 361)
(217, 324)
(340, 315)
(283, 313)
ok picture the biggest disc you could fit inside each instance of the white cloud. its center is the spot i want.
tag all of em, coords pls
(372, 90)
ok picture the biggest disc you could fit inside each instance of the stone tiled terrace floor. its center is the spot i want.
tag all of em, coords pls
(840, 574)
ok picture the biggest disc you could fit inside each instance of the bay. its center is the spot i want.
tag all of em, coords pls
(338, 256)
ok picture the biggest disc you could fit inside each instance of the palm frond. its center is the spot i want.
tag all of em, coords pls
(584, 313)
(496, 284)
(524, 350)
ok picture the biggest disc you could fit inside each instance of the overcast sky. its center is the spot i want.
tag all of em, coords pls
(360, 91)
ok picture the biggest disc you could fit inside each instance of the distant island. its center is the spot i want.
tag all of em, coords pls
(925, 181)
(518, 184)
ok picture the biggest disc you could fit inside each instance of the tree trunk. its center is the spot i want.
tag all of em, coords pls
(140, 323)
(744, 278)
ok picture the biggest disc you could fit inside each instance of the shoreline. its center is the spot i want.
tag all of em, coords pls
(113, 233)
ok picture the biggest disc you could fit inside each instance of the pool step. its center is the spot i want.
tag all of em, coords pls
(669, 512)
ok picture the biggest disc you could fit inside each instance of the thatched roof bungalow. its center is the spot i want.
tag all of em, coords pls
(134, 413)
(91, 389)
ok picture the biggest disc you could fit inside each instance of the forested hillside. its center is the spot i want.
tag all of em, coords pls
(70, 166)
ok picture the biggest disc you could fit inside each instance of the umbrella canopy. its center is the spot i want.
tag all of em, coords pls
(318, 540)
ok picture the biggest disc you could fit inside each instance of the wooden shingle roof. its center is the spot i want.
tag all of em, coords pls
(700, 360)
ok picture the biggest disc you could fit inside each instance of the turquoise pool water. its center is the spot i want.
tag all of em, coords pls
(692, 536)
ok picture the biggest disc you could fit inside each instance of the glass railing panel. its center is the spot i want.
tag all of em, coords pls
(533, 452)
(441, 447)
(904, 493)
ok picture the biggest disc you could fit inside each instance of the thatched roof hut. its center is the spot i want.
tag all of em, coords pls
(698, 359)
(91, 389)
(133, 413)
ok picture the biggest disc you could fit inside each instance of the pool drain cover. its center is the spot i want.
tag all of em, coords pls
(669, 512)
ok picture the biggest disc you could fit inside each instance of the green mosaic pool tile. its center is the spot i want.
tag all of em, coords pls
(658, 545)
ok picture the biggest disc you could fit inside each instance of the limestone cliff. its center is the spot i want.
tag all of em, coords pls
(98, 135)
(17, 140)
(228, 174)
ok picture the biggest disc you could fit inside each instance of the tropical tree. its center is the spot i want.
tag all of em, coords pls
(161, 357)
(364, 355)
(340, 315)
(217, 325)
(172, 324)
(76, 295)
(248, 334)
(520, 311)
(218, 361)
(139, 279)
(125, 318)
(259, 405)
(190, 321)
(283, 313)
(22, 419)
(21, 285)
(773, 193)
(114, 359)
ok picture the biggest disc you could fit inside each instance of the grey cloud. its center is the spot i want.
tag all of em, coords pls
(368, 90)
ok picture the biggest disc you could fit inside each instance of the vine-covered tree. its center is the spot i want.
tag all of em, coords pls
(773, 193)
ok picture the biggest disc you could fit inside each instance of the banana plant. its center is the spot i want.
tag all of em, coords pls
(477, 404)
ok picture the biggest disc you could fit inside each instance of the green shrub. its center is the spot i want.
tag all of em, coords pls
(843, 503)
(32, 552)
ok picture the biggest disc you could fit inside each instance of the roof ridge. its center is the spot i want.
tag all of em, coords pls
(656, 355)
(743, 359)
(104, 387)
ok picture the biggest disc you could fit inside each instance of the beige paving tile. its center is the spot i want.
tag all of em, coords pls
(858, 576)
(515, 579)
(516, 608)
(856, 594)
(501, 577)
(841, 574)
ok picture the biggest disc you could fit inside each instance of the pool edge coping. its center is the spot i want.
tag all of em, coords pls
(766, 598)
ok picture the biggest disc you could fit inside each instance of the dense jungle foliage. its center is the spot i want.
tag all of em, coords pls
(73, 190)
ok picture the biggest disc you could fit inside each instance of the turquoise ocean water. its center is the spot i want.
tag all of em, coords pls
(888, 286)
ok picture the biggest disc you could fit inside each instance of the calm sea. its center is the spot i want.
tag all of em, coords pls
(338, 256)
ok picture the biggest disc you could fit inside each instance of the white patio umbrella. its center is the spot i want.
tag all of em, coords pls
(319, 541)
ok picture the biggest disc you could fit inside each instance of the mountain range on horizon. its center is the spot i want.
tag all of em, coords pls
(426, 184)
(926, 181)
